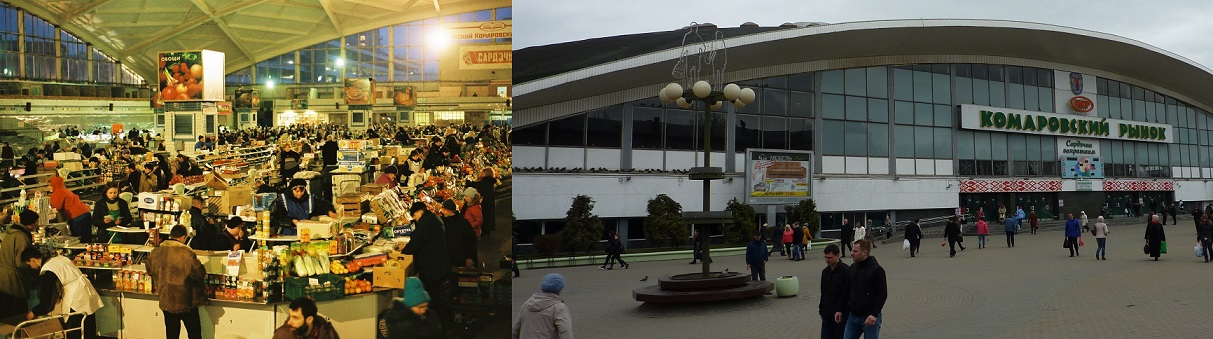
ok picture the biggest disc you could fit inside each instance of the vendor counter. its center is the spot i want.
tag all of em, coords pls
(138, 315)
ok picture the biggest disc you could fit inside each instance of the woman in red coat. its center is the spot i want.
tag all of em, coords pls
(72, 210)
(787, 239)
(1034, 221)
(471, 209)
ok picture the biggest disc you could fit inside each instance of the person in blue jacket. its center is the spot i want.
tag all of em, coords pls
(1011, 226)
(1019, 216)
(756, 257)
(1072, 233)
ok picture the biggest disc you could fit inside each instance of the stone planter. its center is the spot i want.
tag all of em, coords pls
(787, 286)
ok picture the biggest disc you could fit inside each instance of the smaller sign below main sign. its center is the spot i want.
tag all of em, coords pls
(1084, 186)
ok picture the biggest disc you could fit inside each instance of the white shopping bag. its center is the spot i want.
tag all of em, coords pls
(1200, 250)
(905, 244)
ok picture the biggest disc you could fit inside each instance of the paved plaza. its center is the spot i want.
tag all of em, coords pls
(1034, 290)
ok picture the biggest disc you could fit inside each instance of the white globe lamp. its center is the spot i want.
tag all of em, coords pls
(732, 91)
(702, 89)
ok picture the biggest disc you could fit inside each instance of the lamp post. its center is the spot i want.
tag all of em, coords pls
(712, 99)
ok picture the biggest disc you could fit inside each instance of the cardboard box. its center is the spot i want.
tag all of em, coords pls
(61, 156)
(372, 189)
(391, 151)
(214, 182)
(319, 229)
(225, 201)
(390, 277)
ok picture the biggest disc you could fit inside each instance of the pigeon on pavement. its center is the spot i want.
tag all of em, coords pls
(646, 278)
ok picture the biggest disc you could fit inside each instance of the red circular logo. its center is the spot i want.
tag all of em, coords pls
(1081, 104)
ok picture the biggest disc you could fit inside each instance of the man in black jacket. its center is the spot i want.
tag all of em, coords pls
(460, 238)
(428, 248)
(832, 305)
(848, 233)
(914, 235)
(797, 234)
(868, 292)
(951, 231)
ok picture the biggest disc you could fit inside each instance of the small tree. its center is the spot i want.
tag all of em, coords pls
(547, 245)
(665, 222)
(743, 225)
(805, 212)
(582, 229)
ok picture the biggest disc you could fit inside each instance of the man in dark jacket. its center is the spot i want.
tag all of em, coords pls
(6, 152)
(756, 258)
(613, 249)
(205, 231)
(951, 231)
(1072, 233)
(487, 186)
(178, 277)
(460, 238)
(867, 294)
(848, 235)
(329, 152)
(304, 322)
(914, 235)
(430, 256)
(832, 305)
(697, 245)
(797, 234)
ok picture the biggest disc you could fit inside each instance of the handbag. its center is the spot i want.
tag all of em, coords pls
(1146, 248)
(1065, 243)
(1080, 242)
(1164, 247)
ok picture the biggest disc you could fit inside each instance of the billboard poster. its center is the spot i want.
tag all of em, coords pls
(191, 76)
(503, 29)
(404, 97)
(778, 176)
(359, 91)
(224, 108)
(1082, 168)
(299, 104)
(246, 98)
(485, 57)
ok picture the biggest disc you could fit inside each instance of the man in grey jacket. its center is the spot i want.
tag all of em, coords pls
(544, 315)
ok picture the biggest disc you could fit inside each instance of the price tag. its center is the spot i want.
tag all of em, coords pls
(233, 262)
(305, 235)
(313, 281)
(119, 249)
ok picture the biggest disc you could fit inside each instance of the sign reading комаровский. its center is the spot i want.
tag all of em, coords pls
(987, 118)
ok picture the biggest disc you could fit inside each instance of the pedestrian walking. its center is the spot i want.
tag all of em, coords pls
(914, 235)
(951, 232)
(545, 315)
(613, 250)
(1156, 238)
(1164, 211)
(776, 236)
(832, 304)
(787, 241)
(1197, 216)
(1174, 210)
(1019, 217)
(1204, 234)
(868, 292)
(1100, 231)
(1002, 213)
(870, 233)
(806, 237)
(179, 279)
(1072, 233)
(1034, 221)
(1082, 221)
(848, 235)
(861, 232)
(756, 258)
(1009, 225)
(983, 229)
(698, 246)
(797, 234)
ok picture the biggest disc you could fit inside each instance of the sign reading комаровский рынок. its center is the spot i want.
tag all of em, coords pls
(995, 119)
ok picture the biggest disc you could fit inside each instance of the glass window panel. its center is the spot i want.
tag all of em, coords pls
(995, 73)
(904, 141)
(1164, 154)
(943, 143)
(801, 81)
(998, 97)
(748, 137)
(998, 146)
(1029, 76)
(964, 90)
(1144, 153)
(922, 86)
(832, 134)
(904, 112)
(833, 106)
(903, 84)
(1048, 148)
(878, 110)
(964, 70)
(943, 115)
(1046, 99)
(1018, 147)
(1015, 97)
(856, 81)
(1044, 78)
(878, 82)
(981, 72)
(878, 140)
(1032, 147)
(1139, 110)
(923, 114)
(800, 133)
(832, 81)
(942, 89)
(647, 126)
(776, 82)
(680, 129)
(981, 145)
(856, 139)
(802, 104)
(605, 127)
(857, 108)
(1014, 75)
(1031, 98)
(754, 108)
(775, 133)
(775, 102)
(923, 143)
(748, 132)
(981, 92)
(505, 13)
(964, 144)
(568, 131)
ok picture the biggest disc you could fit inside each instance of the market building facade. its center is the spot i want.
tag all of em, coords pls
(904, 119)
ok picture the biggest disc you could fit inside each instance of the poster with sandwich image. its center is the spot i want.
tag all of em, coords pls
(190, 76)
(246, 98)
(359, 91)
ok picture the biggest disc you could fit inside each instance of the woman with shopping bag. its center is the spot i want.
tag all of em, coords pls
(913, 238)
(1156, 238)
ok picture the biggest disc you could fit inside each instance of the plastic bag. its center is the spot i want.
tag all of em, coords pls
(1200, 250)
(905, 244)
(1080, 243)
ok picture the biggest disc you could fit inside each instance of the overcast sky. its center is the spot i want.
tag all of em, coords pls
(1182, 27)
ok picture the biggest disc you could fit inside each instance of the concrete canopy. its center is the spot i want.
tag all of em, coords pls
(859, 44)
(247, 31)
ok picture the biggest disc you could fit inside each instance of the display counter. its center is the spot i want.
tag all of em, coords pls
(138, 315)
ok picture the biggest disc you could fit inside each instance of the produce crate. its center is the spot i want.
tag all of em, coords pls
(300, 287)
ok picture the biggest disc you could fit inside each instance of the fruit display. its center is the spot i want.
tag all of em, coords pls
(356, 286)
(180, 76)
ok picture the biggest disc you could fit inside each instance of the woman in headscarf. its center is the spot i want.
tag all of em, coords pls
(296, 204)
(72, 210)
(110, 211)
